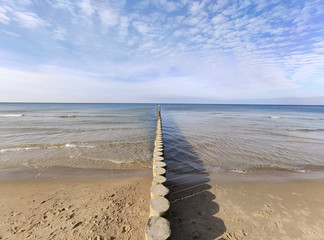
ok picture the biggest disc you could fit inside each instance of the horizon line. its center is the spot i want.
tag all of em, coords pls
(175, 103)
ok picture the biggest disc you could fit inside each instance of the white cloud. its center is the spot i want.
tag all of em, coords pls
(123, 26)
(107, 11)
(60, 33)
(42, 86)
(218, 6)
(178, 33)
(109, 17)
(10, 33)
(86, 7)
(29, 20)
(218, 19)
(141, 27)
(26, 2)
(169, 5)
(244, 45)
(3, 17)
(196, 7)
(64, 4)
(305, 14)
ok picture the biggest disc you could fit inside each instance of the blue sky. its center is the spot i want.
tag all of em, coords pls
(265, 51)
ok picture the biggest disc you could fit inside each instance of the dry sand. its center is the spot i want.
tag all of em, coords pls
(285, 210)
(117, 206)
(72, 208)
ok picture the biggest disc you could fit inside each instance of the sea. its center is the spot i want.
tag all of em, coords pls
(197, 137)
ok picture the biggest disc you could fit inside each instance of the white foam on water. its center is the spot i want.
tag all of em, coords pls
(11, 115)
(106, 160)
(69, 145)
(18, 149)
(68, 116)
(238, 171)
(302, 171)
(119, 161)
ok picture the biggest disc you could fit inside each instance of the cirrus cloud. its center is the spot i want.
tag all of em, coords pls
(224, 49)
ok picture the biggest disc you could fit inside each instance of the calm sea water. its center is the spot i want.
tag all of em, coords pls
(77, 135)
(244, 138)
(239, 138)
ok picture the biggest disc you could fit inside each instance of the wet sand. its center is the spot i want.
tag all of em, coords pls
(115, 205)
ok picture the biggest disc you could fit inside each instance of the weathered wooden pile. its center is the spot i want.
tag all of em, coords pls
(158, 226)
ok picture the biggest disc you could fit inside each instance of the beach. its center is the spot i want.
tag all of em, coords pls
(84, 171)
(249, 207)
(267, 210)
(161, 120)
(98, 205)
(106, 205)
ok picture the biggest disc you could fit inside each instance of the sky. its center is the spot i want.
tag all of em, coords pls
(224, 51)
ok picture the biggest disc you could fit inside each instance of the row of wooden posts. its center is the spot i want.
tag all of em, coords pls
(158, 226)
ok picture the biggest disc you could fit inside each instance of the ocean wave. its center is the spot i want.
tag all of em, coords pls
(53, 146)
(297, 118)
(302, 170)
(18, 149)
(11, 115)
(294, 138)
(309, 130)
(266, 168)
(67, 116)
(305, 118)
(69, 145)
(115, 161)
(76, 145)
(238, 171)
(96, 122)
(80, 145)
(279, 168)
(98, 116)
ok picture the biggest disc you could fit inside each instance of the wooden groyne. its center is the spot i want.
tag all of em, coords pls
(158, 225)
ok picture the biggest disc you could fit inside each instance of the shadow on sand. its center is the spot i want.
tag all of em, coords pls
(193, 206)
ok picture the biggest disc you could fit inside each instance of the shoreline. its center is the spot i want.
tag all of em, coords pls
(58, 172)
(28, 173)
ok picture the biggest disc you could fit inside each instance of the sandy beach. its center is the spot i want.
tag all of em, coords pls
(92, 207)
(107, 205)
(285, 210)
(234, 206)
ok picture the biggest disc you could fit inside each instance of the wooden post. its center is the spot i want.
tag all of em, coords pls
(158, 227)
(159, 207)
